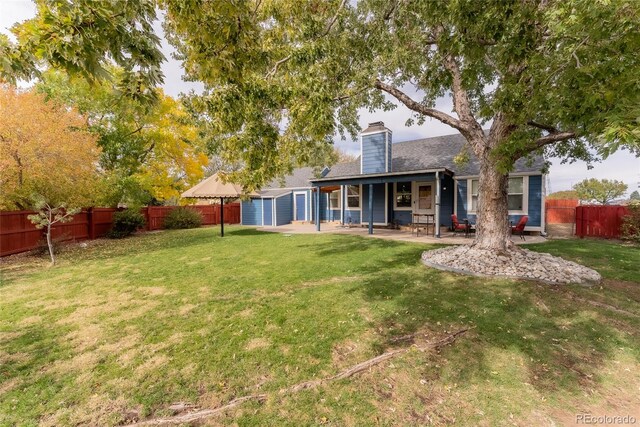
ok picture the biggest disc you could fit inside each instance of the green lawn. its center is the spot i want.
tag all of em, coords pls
(123, 329)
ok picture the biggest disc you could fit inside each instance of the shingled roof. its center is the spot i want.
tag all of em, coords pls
(417, 155)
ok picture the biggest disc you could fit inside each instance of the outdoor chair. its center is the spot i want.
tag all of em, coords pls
(519, 228)
(457, 227)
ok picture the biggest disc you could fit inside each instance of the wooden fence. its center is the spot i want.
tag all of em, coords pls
(560, 211)
(599, 221)
(18, 234)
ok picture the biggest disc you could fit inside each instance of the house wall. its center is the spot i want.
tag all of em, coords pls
(284, 209)
(446, 200)
(379, 205)
(374, 153)
(534, 210)
(251, 212)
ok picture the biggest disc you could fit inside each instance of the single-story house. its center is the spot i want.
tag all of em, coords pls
(391, 181)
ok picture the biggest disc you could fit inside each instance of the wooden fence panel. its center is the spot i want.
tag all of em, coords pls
(560, 211)
(599, 221)
(18, 234)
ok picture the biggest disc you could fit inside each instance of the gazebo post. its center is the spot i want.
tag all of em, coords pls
(221, 216)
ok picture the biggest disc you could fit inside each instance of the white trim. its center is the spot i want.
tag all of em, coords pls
(455, 197)
(386, 152)
(525, 196)
(281, 195)
(262, 201)
(380, 174)
(241, 222)
(329, 208)
(395, 197)
(275, 213)
(361, 156)
(295, 205)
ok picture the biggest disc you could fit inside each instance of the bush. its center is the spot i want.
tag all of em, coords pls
(631, 223)
(125, 223)
(182, 217)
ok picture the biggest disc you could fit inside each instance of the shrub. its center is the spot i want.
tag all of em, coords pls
(631, 223)
(125, 223)
(182, 217)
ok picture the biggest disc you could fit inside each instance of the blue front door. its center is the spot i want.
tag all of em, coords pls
(300, 208)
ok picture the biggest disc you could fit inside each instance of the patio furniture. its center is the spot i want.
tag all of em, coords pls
(423, 221)
(519, 228)
(465, 227)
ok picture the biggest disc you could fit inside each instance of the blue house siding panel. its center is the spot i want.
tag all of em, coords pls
(535, 201)
(351, 217)
(446, 200)
(267, 211)
(252, 212)
(462, 199)
(378, 203)
(284, 209)
(389, 153)
(373, 153)
(334, 215)
(403, 217)
(324, 206)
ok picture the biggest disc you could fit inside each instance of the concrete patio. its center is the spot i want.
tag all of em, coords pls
(384, 233)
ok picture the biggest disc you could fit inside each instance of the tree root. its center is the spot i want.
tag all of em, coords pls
(202, 414)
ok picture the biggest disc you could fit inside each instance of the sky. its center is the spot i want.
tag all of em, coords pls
(622, 165)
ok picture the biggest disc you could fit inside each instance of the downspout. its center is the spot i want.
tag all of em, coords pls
(437, 224)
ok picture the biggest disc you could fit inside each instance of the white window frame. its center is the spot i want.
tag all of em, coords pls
(525, 196)
(347, 207)
(395, 197)
(339, 192)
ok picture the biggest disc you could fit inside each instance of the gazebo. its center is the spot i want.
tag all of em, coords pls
(214, 188)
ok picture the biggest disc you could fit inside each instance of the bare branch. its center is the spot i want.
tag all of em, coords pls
(553, 138)
(334, 19)
(419, 108)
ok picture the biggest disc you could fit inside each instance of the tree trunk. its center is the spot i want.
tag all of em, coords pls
(50, 244)
(492, 222)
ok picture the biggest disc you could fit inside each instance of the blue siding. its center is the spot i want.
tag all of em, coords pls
(373, 153)
(353, 216)
(252, 212)
(446, 200)
(403, 217)
(300, 207)
(267, 211)
(535, 202)
(389, 153)
(378, 203)
(284, 209)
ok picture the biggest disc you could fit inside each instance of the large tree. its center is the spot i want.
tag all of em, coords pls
(526, 77)
(601, 191)
(150, 151)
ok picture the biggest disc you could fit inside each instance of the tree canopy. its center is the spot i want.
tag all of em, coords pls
(601, 191)
(150, 152)
(46, 153)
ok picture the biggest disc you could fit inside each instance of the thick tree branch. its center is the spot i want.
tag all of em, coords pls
(553, 138)
(419, 108)
(542, 126)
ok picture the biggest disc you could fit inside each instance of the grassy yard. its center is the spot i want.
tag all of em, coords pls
(122, 329)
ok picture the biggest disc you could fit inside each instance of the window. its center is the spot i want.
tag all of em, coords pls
(353, 196)
(516, 198)
(334, 199)
(516, 194)
(403, 195)
(474, 195)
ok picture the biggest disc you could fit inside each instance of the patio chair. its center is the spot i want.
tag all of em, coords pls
(519, 228)
(457, 227)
